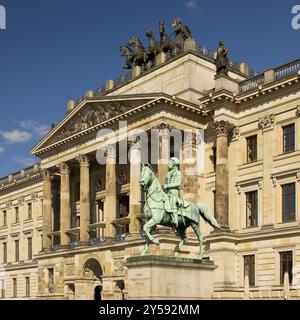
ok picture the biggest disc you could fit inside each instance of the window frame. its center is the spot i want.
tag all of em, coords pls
(253, 145)
(27, 287)
(29, 248)
(291, 204)
(17, 250)
(4, 252)
(254, 201)
(29, 208)
(252, 271)
(17, 215)
(291, 145)
(290, 260)
(15, 288)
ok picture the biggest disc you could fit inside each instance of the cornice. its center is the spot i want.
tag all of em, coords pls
(20, 182)
(172, 101)
(263, 90)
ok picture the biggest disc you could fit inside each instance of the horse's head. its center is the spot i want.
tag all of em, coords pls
(122, 51)
(176, 23)
(147, 176)
(149, 33)
(125, 51)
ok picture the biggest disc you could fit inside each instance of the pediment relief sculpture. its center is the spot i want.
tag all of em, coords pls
(90, 116)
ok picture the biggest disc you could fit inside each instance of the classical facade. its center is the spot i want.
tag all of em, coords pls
(68, 224)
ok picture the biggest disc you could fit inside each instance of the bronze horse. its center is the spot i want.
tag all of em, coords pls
(141, 57)
(167, 45)
(181, 31)
(154, 47)
(127, 52)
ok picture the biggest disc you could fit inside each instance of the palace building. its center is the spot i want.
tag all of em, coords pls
(68, 224)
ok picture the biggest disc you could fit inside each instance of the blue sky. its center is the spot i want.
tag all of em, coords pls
(53, 51)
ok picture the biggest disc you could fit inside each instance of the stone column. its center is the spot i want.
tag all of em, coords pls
(135, 189)
(163, 132)
(84, 197)
(234, 194)
(267, 126)
(65, 206)
(110, 204)
(47, 210)
(222, 179)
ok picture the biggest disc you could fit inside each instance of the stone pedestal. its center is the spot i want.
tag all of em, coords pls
(168, 278)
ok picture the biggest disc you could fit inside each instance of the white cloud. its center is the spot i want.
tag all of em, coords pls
(2, 150)
(16, 136)
(37, 128)
(191, 4)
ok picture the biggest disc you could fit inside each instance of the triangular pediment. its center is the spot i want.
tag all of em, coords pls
(95, 113)
(90, 114)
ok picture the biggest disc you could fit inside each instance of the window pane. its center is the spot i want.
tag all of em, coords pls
(289, 138)
(286, 266)
(252, 209)
(289, 202)
(249, 269)
(252, 149)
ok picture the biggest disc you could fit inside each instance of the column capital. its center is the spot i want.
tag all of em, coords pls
(111, 153)
(267, 123)
(298, 112)
(63, 168)
(221, 128)
(46, 174)
(163, 130)
(135, 144)
(83, 160)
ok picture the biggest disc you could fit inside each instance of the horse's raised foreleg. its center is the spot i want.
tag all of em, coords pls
(184, 240)
(197, 231)
(147, 229)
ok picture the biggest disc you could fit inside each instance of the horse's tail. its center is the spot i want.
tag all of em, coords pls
(207, 216)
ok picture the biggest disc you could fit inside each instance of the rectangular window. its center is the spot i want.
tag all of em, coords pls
(27, 281)
(286, 266)
(17, 216)
(4, 218)
(29, 211)
(252, 149)
(51, 280)
(15, 288)
(289, 202)
(289, 138)
(2, 287)
(249, 269)
(17, 250)
(252, 209)
(29, 248)
(5, 253)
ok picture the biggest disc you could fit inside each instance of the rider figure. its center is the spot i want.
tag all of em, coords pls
(174, 180)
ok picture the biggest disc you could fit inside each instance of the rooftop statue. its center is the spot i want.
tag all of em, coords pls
(137, 55)
(128, 53)
(141, 57)
(154, 47)
(165, 206)
(222, 61)
(167, 45)
(182, 32)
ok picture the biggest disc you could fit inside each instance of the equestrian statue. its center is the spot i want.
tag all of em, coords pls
(165, 206)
